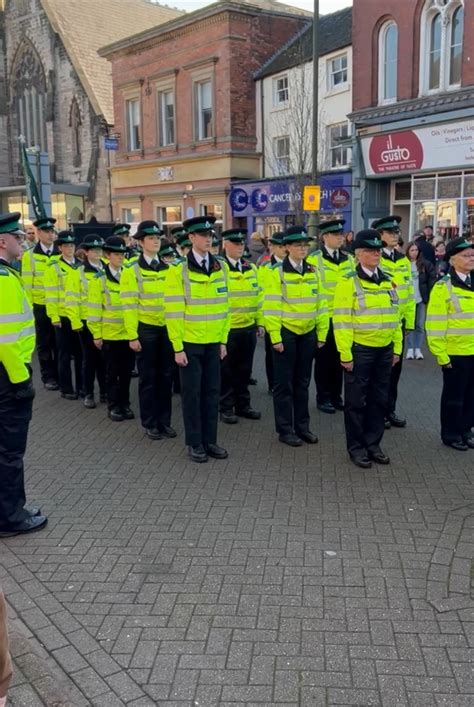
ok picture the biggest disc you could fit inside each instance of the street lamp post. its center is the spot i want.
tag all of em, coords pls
(313, 221)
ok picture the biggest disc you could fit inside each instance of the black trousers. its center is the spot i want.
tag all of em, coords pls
(394, 378)
(15, 416)
(457, 399)
(236, 369)
(365, 397)
(119, 361)
(68, 346)
(328, 373)
(292, 378)
(200, 389)
(156, 365)
(45, 344)
(93, 363)
(269, 362)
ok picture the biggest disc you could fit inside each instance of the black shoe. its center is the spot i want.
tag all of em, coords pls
(197, 454)
(29, 525)
(134, 373)
(338, 404)
(69, 396)
(379, 457)
(51, 385)
(362, 462)
(216, 452)
(153, 433)
(32, 511)
(103, 398)
(115, 414)
(291, 440)
(249, 414)
(470, 442)
(168, 431)
(89, 402)
(229, 418)
(387, 424)
(458, 446)
(328, 408)
(396, 421)
(128, 414)
(308, 437)
(253, 381)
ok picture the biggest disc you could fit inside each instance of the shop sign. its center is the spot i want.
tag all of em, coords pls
(311, 198)
(434, 147)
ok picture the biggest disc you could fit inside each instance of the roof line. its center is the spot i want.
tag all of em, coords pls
(286, 46)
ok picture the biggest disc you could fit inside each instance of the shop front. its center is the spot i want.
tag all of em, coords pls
(430, 171)
(270, 205)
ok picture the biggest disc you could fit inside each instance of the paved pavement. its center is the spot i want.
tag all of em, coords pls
(279, 577)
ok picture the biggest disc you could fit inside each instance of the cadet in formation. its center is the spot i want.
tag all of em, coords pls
(17, 343)
(142, 295)
(368, 334)
(296, 319)
(450, 335)
(33, 267)
(197, 319)
(245, 322)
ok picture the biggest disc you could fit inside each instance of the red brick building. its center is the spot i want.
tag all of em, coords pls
(413, 101)
(184, 104)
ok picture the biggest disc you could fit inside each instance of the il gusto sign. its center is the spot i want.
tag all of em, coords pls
(396, 152)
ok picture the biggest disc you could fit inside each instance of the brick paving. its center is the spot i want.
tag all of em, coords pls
(278, 577)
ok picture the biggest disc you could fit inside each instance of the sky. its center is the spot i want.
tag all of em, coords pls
(325, 6)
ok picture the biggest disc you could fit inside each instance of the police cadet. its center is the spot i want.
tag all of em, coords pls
(197, 318)
(397, 266)
(368, 336)
(106, 323)
(331, 264)
(167, 253)
(123, 231)
(450, 334)
(245, 303)
(295, 317)
(77, 294)
(183, 244)
(216, 244)
(67, 341)
(33, 265)
(142, 296)
(17, 342)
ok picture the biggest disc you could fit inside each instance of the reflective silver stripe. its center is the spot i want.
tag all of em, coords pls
(25, 273)
(114, 308)
(272, 298)
(129, 294)
(272, 312)
(93, 305)
(14, 336)
(204, 317)
(29, 331)
(150, 308)
(454, 332)
(322, 310)
(342, 310)
(342, 325)
(436, 318)
(453, 297)
(51, 288)
(243, 310)
(94, 319)
(174, 298)
(12, 318)
(300, 300)
(111, 320)
(244, 293)
(174, 315)
(374, 325)
(71, 293)
(208, 300)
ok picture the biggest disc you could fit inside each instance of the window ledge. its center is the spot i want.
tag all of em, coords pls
(340, 88)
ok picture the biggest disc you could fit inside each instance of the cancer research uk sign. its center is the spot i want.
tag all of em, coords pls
(433, 147)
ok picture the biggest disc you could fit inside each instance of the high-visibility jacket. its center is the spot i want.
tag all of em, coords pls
(17, 327)
(142, 293)
(55, 278)
(293, 300)
(366, 313)
(399, 269)
(196, 303)
(450, 319)
(33, 267)
(245, 295)
(77, 293)
(104, 308)
(330, 272)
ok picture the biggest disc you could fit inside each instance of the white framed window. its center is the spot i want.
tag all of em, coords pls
(169, 215)
(441, 45)
(216, 210)
(130, 214)
(388, 62)
(132, 120)
(281, 149)
(203, 110)
(339, 150)
(337, 72)
(281, 93)
(166, 117)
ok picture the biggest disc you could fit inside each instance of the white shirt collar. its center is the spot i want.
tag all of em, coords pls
(461, 275)
(331, 251)
(279, 260)
(149, 260)
(388, 252)
(46, 249)
(200, 259)
(295, 265)
(115, 273)
(96, 266)
(368, 272)
(234, 263)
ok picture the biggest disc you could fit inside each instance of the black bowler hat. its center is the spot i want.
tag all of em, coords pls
(295, 234)
(457, 245)
(334, 226)
(10, 223)
(368, 238)
(178, 231)
(166, 248)
(199, 224)
(121, 229)
(92, 241)
(277, 238)
(147, 228)
(235, 235)
(65, 238)
(45, 224)
(115, 244)
(387, 223)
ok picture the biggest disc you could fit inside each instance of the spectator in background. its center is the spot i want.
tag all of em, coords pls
(348, 247)
(424, 277)
(424, 245)
(442, 266)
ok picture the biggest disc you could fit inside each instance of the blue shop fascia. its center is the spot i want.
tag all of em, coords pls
(270, 205)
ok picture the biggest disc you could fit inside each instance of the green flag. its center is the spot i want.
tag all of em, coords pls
(32, 191)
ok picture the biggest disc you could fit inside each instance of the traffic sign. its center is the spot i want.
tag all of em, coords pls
(311, 198)
(111, 143)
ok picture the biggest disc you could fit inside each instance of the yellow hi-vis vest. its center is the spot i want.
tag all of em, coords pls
(295, 301)
(366, 313)
(196, 305)
(77, 294)
(450, 321)
(54, 286)
(142, 293)
(245, 296)
(329, 273)
(104, 308)
(33, 267)
(400, 272)
(17, 327)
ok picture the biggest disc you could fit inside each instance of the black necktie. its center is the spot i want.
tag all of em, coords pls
(48, 253)
(467, 281)
(375, 278)
(336, 256)
(204, 266)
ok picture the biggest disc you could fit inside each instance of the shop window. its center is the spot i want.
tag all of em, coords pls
(280, 91)
(130, 214)
(402, 191)
(168, 215)
(215, 210)
(424, 189)
(281, 149)
(337, 72)
(132, 120)
(339, 151)
(166, 117)
(203, 110)
(442, 30)
(388, 62)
